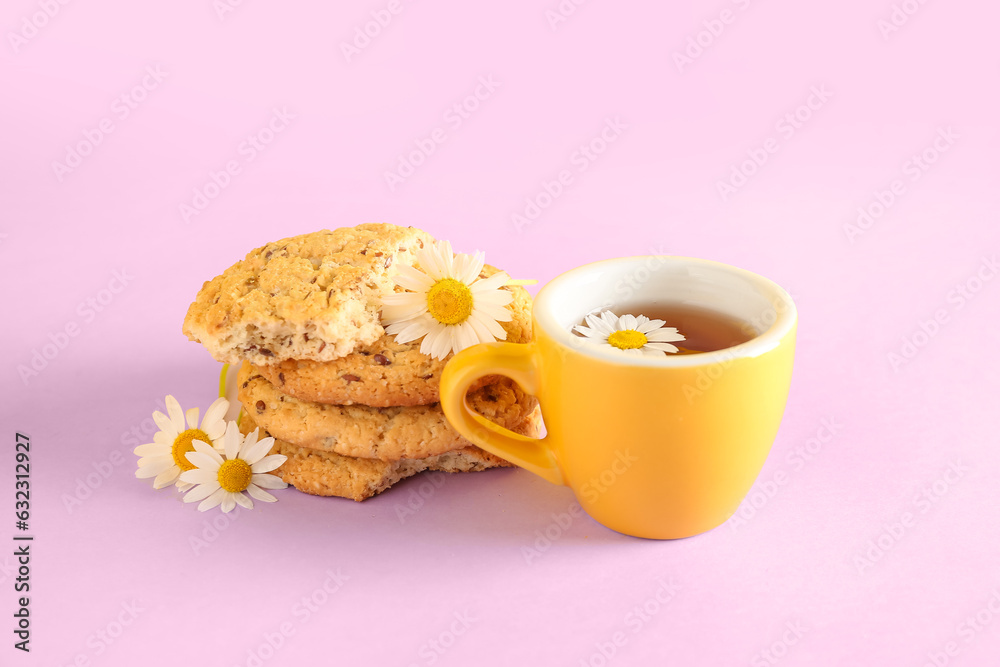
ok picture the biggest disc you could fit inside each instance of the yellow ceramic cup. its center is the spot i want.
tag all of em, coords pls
(652, 447)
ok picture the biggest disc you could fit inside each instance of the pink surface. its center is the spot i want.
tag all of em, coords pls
(891, 433)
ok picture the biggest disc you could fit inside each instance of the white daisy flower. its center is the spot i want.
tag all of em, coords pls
(448, 303)
(222, 480)
(630, 333)
(164, 458)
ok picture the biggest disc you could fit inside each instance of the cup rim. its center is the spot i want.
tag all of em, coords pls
(763, 342)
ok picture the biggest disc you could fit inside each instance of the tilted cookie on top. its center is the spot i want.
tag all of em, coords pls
(314, 296)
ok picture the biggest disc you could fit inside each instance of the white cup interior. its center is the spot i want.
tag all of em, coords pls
(766, 310)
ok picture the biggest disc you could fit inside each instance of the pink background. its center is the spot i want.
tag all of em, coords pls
(798, 578)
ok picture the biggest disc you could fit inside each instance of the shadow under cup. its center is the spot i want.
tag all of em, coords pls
(657, 447)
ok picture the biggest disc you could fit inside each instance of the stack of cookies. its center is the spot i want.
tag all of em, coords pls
(353, 409)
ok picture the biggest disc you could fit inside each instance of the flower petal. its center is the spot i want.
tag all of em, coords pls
(498, 313)
(166, 478)
(212, 501)
(242, 501)
(494, 282)
(446, 259)
(482, 332)
(176, 414)
(406, 309)
(192, 417)
(612, 320)
(266, 481)
(233, 440)
(664, 335)
(663, 347)
(437, 342)
(447, 342)
(151, 449)
(215, 431)
(201, 492)
(649, 325)
(154, 469)
(165, 424)
(228, 502)
(208, 450)
(601, 325)
(411, 278)
(200, 476)
(399, 298)
(464, 336)
(268, 463)
(258, 451)
(492, 326)
(473, 268)
(216, 411)
(428, 258)
(590, 332)
(500, 297)
(414, 329)
(203, 461)
(627, 323)
(153, 460)
(261, 494)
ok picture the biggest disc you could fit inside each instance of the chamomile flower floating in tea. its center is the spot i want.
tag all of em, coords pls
(630, 333)
(448, 304)
(221, 480)
(164, 458)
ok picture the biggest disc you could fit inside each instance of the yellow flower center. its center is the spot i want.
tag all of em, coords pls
(449, 301)
(627, 340)
(182, 445)
(235, 475)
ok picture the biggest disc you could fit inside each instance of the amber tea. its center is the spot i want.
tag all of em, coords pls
(704, 330)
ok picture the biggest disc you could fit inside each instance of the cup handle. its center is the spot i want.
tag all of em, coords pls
(519, 362)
